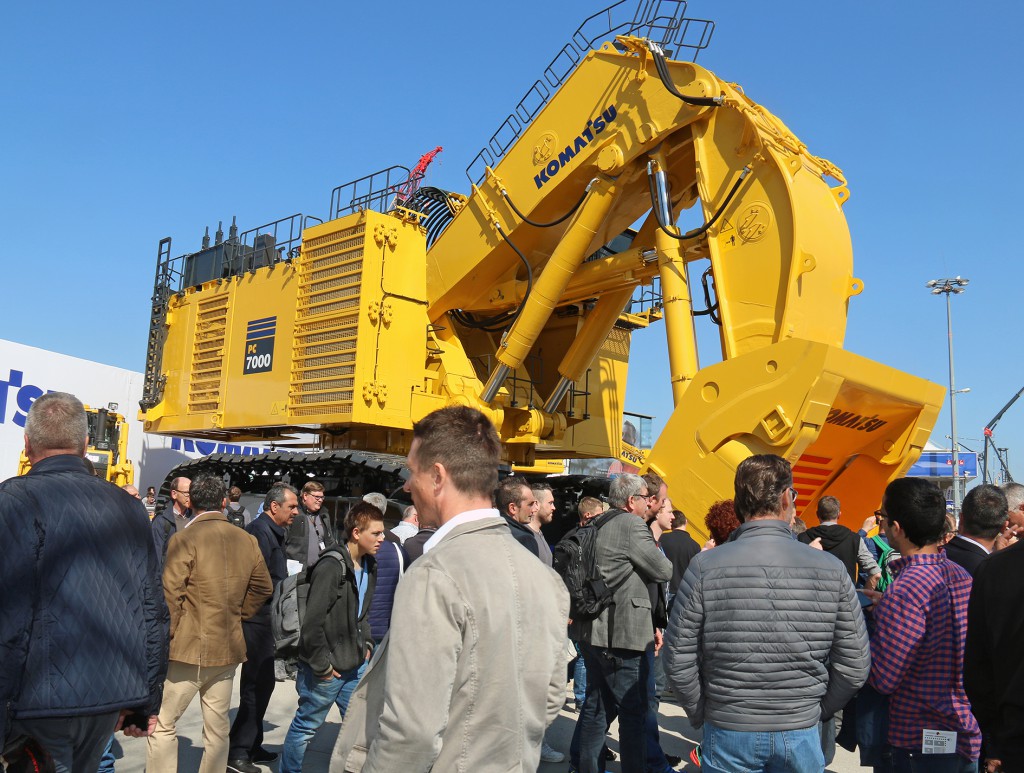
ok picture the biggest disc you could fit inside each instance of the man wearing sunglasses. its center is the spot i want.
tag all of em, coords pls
(766, 636)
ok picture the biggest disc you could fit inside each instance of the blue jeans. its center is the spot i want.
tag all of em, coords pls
(616, 684)
(107, 760)
(903, 761)
(579, 678)
(782, 751)
(316, 696)
(656, 762)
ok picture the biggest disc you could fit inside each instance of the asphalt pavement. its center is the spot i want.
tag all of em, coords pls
(677, 737)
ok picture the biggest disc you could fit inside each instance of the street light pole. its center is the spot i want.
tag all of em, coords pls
(950, 287)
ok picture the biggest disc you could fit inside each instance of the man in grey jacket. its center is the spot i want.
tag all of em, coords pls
(613, 644)
(472, 669)
(766, 635)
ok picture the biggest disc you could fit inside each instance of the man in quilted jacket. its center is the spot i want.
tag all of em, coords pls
(83, 622)
(766, 636)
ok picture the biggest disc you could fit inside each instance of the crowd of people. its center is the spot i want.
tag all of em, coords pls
(449, 641)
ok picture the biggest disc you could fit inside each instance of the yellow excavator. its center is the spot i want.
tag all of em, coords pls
(521, 297)
(107, 450)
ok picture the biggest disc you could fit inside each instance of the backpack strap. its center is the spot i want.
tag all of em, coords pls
(605, 518)
(401, 560)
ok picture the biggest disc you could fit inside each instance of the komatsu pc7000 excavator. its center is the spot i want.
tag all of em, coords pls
(520, 298)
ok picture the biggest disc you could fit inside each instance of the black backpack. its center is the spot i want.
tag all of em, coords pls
(236, 516)
(288, 606)
(575, 560)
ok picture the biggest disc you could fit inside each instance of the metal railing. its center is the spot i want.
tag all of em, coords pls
(662, 21)
(379, 191)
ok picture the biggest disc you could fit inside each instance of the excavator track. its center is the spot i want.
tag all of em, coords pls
(345, 474)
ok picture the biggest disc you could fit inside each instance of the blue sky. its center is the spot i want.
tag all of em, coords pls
(122, 123)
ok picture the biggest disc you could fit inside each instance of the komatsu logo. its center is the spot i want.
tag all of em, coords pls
(843, 418)
(594, 127)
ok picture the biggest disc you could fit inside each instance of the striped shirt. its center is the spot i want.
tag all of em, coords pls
(917, 653)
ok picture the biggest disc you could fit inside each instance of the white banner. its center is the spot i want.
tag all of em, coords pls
(27, 372)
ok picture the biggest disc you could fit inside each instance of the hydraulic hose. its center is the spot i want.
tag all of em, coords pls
(499, 321)
(666, 78)
(562, 219)
(697, 232)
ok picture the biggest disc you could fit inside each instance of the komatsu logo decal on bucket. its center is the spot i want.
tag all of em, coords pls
(594, 126)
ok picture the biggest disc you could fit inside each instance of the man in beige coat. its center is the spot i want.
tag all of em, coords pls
(473, 668)
(214, 578)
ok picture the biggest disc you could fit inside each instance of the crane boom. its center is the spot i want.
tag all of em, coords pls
(990, 430)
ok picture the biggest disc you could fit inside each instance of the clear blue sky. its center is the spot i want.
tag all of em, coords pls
(122, 123)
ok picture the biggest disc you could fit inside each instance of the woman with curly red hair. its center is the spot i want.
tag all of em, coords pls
(721, 521)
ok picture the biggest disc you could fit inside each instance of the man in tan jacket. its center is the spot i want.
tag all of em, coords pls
(472, 669)
(214, 578)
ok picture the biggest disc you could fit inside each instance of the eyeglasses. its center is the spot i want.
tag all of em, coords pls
(641, 496)
(794, 494)
(880, 515)
(183, 493)
(315, 496)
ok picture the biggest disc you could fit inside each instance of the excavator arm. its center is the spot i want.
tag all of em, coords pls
(630, 138)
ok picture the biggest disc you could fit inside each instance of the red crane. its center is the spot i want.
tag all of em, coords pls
(408, 189)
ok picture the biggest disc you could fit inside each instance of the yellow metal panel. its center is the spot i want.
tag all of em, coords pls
(325, 347)
(205, 356)
(361, 325)
(846, 423)
(601, 435)
(781, 255)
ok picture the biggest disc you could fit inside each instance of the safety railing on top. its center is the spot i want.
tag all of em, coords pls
(662, 21)
(379, 191)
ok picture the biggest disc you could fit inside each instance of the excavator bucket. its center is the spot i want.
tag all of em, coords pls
(847, 424)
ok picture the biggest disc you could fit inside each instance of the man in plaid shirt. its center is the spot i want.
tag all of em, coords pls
(917, 650)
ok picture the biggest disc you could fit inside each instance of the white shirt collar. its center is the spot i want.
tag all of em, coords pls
(968, 539)
(458, 520)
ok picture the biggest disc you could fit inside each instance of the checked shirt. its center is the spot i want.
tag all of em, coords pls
(917, 653)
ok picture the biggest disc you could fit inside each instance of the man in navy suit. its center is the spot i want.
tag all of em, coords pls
(982, 517)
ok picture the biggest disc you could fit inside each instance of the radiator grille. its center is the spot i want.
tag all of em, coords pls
(207, 369)
(324, 358)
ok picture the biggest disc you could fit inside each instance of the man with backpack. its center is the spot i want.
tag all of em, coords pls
(335, 642)
(235, 511)
(843, 543)
(611, 619)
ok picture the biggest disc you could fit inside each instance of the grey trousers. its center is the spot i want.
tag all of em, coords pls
(75, 743)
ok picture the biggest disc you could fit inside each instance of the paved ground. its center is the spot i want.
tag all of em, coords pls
(677, 737)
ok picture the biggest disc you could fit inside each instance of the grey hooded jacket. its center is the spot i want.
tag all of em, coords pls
(766, 634)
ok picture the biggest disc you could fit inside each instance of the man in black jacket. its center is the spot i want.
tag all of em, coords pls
(310, 533)
(844, 544)
(83, 623)
(256, 685)
(993, 667)
(335, 643)
(174, 518)
(679, 548)
(983, 516)
(517, 504)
